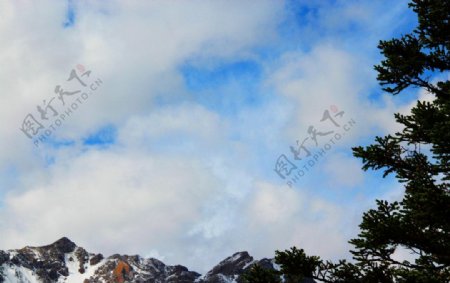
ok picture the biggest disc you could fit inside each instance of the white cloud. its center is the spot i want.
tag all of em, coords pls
(178, 183)
(112, 202)
(344, 171)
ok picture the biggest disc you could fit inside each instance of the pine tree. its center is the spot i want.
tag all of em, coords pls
(419, 156)
(259, 274)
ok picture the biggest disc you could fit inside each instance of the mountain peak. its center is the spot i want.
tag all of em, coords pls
(64, 261)
(64, 245)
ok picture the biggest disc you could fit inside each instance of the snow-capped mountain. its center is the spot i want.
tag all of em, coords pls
(65, 262)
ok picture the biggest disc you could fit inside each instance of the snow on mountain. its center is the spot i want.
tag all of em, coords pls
(65, 262)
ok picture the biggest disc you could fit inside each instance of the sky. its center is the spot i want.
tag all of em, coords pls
(171, 129)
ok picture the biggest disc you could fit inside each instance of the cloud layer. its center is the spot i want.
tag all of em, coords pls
(199, 99)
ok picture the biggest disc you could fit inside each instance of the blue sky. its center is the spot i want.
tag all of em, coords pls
(179, 142)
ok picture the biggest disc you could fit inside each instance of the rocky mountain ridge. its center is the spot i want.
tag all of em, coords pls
(65, 262)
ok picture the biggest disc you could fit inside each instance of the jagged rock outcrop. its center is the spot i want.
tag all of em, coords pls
(232, 268)
(65, 262)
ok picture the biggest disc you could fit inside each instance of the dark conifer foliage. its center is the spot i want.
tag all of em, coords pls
(419, 156)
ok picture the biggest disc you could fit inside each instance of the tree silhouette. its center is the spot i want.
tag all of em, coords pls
(419, 156)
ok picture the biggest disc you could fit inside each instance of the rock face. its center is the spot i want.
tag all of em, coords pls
(231, 268)
(65, 262)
